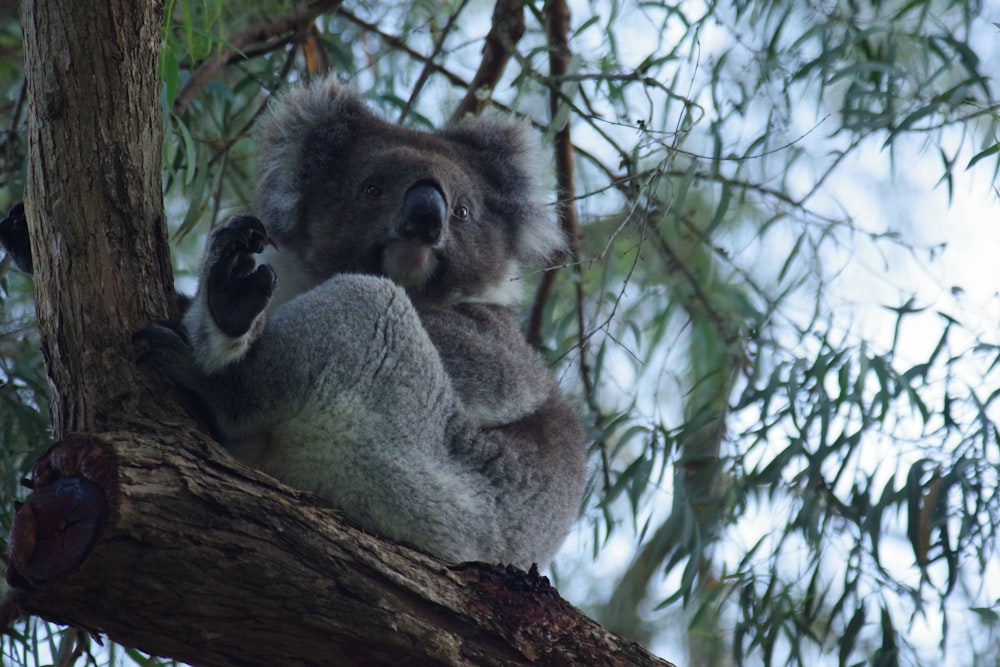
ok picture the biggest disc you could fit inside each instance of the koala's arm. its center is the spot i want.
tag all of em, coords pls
(522, 435)
(495, 373)
(332, 347)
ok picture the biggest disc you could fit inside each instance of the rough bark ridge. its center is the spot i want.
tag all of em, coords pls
(140, 527)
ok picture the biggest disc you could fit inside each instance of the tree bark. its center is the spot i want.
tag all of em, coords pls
(140, 527)
(93, 199)
(506, 30)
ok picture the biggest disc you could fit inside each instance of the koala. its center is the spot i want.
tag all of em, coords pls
(360, 340)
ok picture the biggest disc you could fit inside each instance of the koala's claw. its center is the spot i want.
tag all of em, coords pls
(244, 232)
(237, 289)
(14, 237)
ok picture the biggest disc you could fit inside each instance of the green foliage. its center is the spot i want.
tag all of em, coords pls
(828, 445)
(789, 487)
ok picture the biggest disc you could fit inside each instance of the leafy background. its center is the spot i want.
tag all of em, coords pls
(780, 320)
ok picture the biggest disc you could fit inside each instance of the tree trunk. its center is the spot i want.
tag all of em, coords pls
(93, 199)
(141, 527)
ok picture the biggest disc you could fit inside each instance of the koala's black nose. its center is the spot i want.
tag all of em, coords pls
(424, 215)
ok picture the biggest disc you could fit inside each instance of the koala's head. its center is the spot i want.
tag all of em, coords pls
(449, 215)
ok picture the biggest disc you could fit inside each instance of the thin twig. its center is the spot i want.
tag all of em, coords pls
(425, 72)
(557, 26)
(400, 45)
(293, 22)
(244, 131)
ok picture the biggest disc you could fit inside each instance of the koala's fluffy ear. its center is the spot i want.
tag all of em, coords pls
(324, 112)
(508, 156)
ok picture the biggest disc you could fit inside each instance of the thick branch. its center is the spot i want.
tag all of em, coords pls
(506, 30)
(226, 566)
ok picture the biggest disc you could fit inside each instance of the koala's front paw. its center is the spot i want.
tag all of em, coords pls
(168, 352)
(236, 288)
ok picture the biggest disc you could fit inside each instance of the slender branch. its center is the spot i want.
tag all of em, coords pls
(294, 22)
(428, 67)
(400, 45)
(557, 20)
(557, 31)
(244, 131)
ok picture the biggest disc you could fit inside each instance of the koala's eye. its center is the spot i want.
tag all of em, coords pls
(373, 191)
(461, 212)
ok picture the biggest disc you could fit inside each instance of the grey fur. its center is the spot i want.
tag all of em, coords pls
(414, 405)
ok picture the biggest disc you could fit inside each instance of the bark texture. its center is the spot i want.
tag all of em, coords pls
(93, 198)
(140, 527)
(506, 30)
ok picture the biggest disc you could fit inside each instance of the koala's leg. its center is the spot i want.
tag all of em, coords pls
(343, 394)
(534, 469)
(227, 313)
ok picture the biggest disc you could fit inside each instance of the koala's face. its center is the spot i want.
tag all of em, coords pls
(448, 215)
(405, 206)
